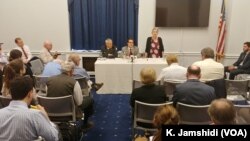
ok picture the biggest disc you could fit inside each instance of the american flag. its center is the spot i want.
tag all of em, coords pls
(222, 33)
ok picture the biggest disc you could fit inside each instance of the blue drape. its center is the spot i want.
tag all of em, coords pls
(92, 21)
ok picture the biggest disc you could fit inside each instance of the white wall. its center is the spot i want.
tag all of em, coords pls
(192, 40)
(35, 21)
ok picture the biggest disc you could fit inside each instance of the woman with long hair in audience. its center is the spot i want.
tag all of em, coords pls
(14, 69)
(164, 115)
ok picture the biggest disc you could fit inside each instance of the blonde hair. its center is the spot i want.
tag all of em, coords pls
(148, 75)
(67, 67)
(155, 29)
(171, 58)
(74, 58)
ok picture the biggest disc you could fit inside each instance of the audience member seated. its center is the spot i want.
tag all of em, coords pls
(64, 84)
(222, 111)
(14, 69)
(52, 68)
(46, 55)
(3, 58)
(18, 122)
(130, 49)
(25, 50)
(242, 65)
(210, 69)
(149, 92)
(164, 115)
(193, 91)
(17, 54)
(173, 71)
(109, 50)
(3, 62)
(81, 72)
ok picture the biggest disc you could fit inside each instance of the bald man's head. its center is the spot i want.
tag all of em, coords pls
(222, 111)
(193, 72)
(48, 45)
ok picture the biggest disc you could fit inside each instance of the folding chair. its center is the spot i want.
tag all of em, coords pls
(62, 111)
(242, 114)
(41, 84)
(144, 114)
(236, 90)
(37, 66)
(84, 85)
(193, 114)
(170, 86)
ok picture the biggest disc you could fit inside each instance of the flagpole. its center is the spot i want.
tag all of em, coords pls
(222, 33)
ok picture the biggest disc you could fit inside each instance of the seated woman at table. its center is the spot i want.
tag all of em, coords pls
(154, 45)
(149, 92)
(109, 50)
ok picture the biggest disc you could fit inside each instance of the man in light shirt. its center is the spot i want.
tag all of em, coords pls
(210, 69)
(26, 54)
(18, 122)
(174, 71)
(46, 55)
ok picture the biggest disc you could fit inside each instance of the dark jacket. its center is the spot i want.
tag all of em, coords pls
(148, 46)
(150, 93)
(109, 53)
(193, 92)
(240, 59)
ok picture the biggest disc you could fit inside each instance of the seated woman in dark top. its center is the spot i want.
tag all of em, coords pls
(149, 92)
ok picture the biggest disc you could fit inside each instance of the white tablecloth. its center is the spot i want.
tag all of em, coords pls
(117, 74)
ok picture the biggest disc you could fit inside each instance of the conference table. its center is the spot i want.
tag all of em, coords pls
(118, 74)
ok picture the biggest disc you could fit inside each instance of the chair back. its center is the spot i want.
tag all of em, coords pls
(138, 84)
(170, 87)
(236, 89)
(59, 108)
(41, 83)
(193, 114)
(82, 82)
(4, 101)
(37, 66)
(144, 114)
(242, 114)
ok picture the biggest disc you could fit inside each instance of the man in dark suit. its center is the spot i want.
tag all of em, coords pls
(109, 50)
(193, 91)
(242, 65)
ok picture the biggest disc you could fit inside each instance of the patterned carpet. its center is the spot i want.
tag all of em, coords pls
(112, 118)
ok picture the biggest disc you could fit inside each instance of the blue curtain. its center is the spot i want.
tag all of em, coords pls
(92, 21)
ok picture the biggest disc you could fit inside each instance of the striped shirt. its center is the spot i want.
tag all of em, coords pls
(18, 123)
